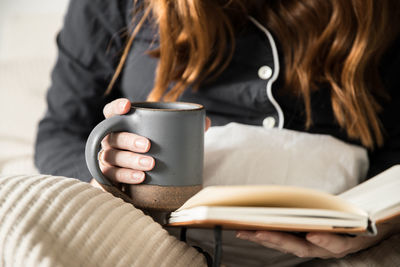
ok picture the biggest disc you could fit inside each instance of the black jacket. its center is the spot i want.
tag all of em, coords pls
(90, 45)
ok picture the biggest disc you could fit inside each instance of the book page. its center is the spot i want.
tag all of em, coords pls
(269, 196)
(379, 196)
(261, 218)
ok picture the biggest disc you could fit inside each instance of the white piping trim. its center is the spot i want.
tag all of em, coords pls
(275, 75)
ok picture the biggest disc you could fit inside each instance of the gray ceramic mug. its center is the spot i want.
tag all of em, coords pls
(176, 133)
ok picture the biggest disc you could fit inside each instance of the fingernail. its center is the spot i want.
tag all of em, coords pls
(138, 176)
(141, 143)
(122, 105)
(146, 162)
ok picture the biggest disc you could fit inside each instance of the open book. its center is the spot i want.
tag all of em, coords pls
(288, 208)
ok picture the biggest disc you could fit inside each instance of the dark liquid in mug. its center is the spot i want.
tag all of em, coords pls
(181, 106)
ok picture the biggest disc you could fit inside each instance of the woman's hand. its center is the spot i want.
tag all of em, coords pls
(318, 245)
(121, 158)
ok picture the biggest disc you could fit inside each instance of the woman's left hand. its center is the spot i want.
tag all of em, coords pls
(317, 245)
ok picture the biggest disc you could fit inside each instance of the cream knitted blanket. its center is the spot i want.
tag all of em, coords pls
(57, 221)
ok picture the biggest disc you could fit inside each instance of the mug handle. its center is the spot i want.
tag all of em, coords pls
(107, 126)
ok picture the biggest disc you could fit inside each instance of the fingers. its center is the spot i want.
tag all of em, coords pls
(118, 174)
(126, 141)
(315, 245)
(119, 160)
(122, 175)
(117, 107)
(339, 244)
(286, 243)
(127, 159)
(334, 243)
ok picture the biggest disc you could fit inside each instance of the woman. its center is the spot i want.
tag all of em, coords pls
(338, 65)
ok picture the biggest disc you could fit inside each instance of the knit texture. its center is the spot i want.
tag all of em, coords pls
(57, 221)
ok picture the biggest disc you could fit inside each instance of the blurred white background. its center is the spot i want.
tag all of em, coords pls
(28, 30)
(27, 27)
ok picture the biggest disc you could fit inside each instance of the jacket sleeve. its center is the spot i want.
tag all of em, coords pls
(89, 47)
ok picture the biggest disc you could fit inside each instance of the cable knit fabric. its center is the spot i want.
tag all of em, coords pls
(57, 221)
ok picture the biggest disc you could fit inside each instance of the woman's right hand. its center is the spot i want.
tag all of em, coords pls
(121, 158)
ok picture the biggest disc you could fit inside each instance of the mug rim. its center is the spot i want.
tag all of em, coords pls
(195, 106)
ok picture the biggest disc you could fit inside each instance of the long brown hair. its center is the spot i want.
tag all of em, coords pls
(336, 42)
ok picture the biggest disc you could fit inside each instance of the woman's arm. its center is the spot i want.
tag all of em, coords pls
(89, 46)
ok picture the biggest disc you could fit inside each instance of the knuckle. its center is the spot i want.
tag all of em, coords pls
(342, 248)
(324, 242)
(304, 252)
(337, 250)
(109, 139)
(131, 160)
(106, 110)
(105, 141)
(277, 240)
(112, 108)
(106, 170)
(121, 175)
(136, 160)
(106, 155)
(127, 141)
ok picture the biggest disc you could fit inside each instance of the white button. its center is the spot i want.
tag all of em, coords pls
(265, 72)
(269, 122)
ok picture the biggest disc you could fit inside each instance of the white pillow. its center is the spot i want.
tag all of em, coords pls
(243, 154)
